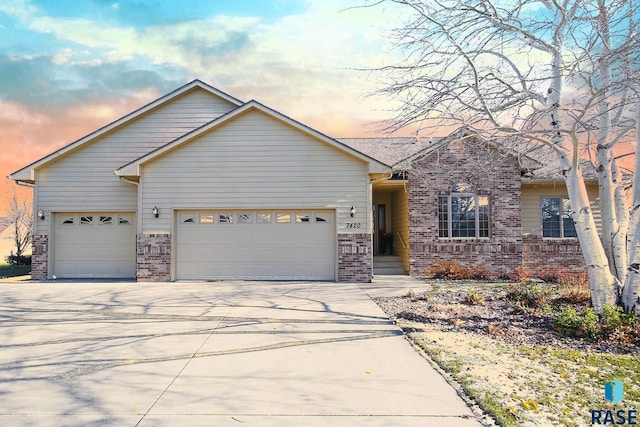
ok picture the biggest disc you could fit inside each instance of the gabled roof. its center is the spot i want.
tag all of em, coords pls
(132, 169)
(400, 152)
(26, 173)
(389, 150)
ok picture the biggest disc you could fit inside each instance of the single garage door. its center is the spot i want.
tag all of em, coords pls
(255, 245)
(95, 245)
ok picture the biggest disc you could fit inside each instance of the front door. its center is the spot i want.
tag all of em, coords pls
(380, 219)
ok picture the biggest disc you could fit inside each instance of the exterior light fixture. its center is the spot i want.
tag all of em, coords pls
(353, 211)
(40, 214)
(155, 212)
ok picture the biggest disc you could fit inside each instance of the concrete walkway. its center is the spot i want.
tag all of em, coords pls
(211, 354)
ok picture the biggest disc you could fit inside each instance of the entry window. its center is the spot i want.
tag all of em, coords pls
(86, 220)
(244, 218)
(463, 213)
(225, 218)
(557, 221)
(302, 217)
(283, 218)
(206, 218)
(188, 218)
(263, 218)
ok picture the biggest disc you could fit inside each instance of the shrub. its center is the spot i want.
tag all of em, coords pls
(19, 259)
(564, 277)
(480, 272)
(529, 294)
(448, 270)
(473, 297)
(613, 322)
(451, 270)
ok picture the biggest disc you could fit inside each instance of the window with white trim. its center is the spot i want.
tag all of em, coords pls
(463, 213)
(557, 220)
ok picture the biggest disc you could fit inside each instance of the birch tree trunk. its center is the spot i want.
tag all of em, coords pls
(631, 290)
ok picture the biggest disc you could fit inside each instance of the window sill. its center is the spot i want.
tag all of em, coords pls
(464, 239)
(560, 239)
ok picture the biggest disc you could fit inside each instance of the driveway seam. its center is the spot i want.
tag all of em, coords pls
(195, 353)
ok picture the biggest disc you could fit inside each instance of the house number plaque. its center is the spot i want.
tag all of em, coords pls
(354, 224)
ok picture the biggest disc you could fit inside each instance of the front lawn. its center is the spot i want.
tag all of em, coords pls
(513, 351)
(7, 270)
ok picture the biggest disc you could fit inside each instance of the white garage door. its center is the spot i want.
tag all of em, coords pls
(258, 245)
(94, 245)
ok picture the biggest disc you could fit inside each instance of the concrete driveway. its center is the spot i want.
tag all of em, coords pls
(211, 354)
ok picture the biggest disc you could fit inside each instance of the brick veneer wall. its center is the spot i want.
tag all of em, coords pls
(40, 257)
(540, 254)
(153, 255)
(491, 173)
(355, 259)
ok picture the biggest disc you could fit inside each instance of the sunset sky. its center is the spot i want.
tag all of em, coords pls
(68, 67)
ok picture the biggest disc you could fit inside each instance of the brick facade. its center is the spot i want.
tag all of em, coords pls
(539, 254)
(490, 173)
(153, 257)
(355, 258)
(40, 257)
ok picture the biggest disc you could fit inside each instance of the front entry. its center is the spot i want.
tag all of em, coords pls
(380, 224)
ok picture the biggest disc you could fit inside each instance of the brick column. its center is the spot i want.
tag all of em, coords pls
(355, 259)
(40, 257)
(153, 256)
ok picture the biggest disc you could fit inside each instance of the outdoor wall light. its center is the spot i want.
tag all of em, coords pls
(353, 211)
(40, 214)
(155, 212)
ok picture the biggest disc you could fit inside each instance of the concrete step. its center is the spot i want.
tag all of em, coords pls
(388, 265)
(389, 271)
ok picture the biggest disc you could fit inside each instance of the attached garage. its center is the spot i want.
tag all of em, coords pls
(256, 245)
(94, 245)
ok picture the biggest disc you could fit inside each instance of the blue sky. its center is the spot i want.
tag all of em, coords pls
(68, 67)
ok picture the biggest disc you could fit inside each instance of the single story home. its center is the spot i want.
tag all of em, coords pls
(198, 185)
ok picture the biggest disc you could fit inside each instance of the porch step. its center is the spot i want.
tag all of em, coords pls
(388, 265)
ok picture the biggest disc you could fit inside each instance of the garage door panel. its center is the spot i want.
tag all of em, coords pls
(94, 245)
(255, 250)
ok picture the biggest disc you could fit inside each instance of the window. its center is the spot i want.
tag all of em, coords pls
(124, 220)
(68, 220)
(282, 218)
(556, 218)
(188, 218)
(225, 219)
(206, 218)
(244, 218)
(463, 213)
(263, 218)
(302, 217)
(86, 220)
(106, 220)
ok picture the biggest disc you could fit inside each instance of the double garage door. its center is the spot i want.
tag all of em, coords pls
(255, 244)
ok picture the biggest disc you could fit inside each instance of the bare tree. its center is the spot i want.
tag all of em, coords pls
(563, 74)
(21, 217)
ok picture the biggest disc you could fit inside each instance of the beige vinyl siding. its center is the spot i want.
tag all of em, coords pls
(84, 180)
(253, 162)
(400, 224)
(531, 208)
